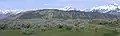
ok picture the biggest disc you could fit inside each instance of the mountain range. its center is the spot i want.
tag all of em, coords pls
(110, 11)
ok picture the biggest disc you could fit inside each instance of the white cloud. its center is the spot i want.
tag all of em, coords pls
(45, 4)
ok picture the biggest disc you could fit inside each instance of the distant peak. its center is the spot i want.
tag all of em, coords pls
(105, 8)
(114, 3)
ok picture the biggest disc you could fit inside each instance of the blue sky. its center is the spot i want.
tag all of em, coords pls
(32, 4)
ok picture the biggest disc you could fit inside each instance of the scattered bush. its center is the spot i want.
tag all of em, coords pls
(27, 31)
(59, 26)
(3, 26)
(75, 26)
(43, 29)
(68, 27)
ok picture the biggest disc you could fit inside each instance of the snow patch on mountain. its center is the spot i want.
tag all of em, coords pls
(105, 8)
(10, 11)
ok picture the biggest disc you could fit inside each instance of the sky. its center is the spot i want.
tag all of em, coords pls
(32, 4)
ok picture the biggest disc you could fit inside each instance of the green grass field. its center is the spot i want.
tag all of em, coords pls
(55, 32)
(89, 30)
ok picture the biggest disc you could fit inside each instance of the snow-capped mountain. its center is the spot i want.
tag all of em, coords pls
(113, 8)
(65, 8)
(106, 8)
(11, 11)
(7, 13)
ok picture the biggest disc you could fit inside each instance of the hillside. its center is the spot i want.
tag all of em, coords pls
(60, 14)
(55, 22)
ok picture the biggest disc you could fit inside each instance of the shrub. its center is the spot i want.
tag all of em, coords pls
(26, 25)
(43, 29)
(59, 26)
(27, 31)
(68, 27)
(13, 26)
(3, 26)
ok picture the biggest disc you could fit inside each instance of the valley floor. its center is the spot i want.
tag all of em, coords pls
(59, 28)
